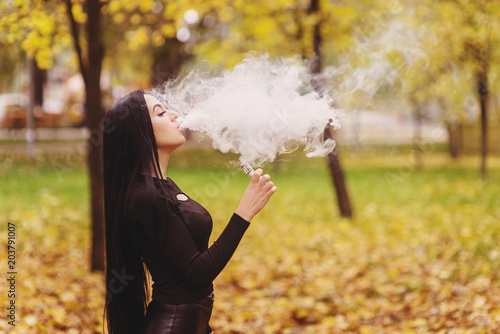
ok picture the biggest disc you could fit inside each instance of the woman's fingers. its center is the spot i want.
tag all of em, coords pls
(257, 175)
(271, 191)
(268, 185)
(265, 178)
(262, 180)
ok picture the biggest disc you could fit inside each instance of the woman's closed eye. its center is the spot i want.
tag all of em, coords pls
(172, 115)
(162, 109)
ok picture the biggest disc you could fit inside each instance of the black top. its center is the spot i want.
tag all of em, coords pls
(173, 241)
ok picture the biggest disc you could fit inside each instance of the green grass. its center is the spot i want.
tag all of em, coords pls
(420, 238)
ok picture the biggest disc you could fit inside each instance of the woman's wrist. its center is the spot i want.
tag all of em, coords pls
(243, 214)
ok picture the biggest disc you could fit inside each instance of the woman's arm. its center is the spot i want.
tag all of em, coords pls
(171, 237)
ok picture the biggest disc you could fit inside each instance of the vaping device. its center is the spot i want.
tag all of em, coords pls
(246, 168)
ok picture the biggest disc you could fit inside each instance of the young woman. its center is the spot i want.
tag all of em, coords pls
(151, 225)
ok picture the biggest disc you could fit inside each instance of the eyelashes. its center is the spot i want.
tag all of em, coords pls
(172, 117)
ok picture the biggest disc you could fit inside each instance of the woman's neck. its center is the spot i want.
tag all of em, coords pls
(163, 158)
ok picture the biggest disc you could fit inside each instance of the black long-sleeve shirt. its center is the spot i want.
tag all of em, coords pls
(173, 242)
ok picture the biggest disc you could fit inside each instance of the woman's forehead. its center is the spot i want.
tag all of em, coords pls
(151, 101)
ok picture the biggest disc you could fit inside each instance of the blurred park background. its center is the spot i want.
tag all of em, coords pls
(396, 231)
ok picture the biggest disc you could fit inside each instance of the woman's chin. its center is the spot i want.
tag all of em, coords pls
(172, 146)
(181, 142)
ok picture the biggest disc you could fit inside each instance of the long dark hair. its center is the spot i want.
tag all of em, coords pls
(129, 148)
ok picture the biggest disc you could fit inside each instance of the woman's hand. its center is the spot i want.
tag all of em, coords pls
(256, 196)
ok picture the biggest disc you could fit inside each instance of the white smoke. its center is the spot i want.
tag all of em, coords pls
(265, 107)
(383, 59)
(260, 109)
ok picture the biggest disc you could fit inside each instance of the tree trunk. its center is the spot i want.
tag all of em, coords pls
(482, 88)
(452, 123)
(417, 136)
(39, 77)
(334, 165)
(30, 110)
(95, 115)
(35, 97)
(167, 61)
(453, 139)
(481, 55)
(338, 179)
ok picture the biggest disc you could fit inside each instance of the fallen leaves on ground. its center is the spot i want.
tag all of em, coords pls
(421, 258)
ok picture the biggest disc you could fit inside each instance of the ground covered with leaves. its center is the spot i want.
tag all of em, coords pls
(420, 256)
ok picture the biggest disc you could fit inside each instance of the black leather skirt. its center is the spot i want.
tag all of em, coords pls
(191, 318)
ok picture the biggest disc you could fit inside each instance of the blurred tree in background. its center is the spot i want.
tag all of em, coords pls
(472, 36)
(42, 28)
(461, 43)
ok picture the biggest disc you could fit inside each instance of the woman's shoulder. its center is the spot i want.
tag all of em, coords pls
(141, 195)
